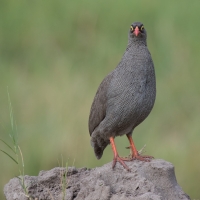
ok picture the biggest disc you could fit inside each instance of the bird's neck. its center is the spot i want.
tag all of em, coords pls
(136, 42)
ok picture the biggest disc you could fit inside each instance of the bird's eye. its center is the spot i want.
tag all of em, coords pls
(131, 28)
(142, 28)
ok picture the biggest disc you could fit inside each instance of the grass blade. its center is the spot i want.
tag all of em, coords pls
(22, 159)
(11, 111)
(9, 156)
(7, 145)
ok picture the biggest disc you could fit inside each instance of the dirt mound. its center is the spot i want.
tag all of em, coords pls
(153, 180)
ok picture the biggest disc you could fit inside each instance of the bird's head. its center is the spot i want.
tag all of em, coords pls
(137, 31)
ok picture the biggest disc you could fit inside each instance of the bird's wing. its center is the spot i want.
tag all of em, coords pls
(98, 108)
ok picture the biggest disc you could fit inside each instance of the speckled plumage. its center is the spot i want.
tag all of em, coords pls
(125, 97)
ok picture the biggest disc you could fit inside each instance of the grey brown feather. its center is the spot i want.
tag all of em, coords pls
(125, 97)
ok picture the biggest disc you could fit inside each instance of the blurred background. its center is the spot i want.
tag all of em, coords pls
(53, 56)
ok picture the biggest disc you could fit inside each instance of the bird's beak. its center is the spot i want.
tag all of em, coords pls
(136, 31)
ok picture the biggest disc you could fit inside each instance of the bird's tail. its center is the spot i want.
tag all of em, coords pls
(99, 144)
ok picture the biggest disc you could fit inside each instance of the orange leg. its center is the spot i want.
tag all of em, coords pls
(135, 154)
(116, 156)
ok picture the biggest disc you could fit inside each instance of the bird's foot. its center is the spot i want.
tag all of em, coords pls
(144, 158)
(127, 158)
(138, 156)
(121, 161)
(140, 151)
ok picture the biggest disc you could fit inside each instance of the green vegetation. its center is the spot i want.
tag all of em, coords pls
(16, 151)
(54, 54)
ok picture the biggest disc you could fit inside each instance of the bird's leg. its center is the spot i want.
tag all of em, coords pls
(134, 152)
(116, 155)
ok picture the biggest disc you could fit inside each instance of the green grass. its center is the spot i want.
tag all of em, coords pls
(54, 54)
(16, 155)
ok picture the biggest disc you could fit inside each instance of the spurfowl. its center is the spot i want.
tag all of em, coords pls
(124, 98)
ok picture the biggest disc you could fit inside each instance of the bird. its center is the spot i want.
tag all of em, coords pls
(124, 98)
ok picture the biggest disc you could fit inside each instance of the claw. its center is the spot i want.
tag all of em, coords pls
(136, 155)
(120, 160)
(143, 158)
(116, 156)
